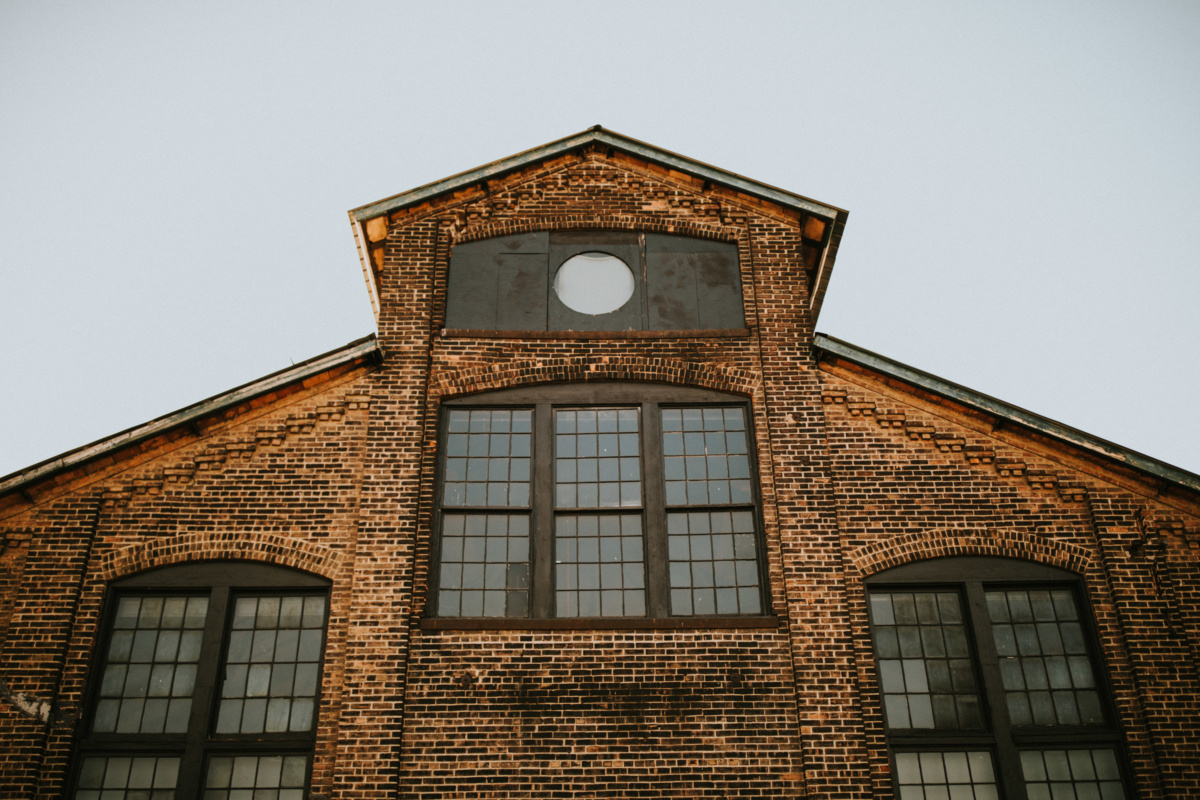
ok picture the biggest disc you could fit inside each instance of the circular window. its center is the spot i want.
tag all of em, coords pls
(593, 283)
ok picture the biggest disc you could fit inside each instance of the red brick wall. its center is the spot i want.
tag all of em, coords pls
(856, 476)
(278, 484)
(917, 480)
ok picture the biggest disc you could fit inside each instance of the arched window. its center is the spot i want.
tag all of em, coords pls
(991, 683)
(598, 500)
(205, 683)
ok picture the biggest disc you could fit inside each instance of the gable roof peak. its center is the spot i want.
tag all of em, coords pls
(601, 135)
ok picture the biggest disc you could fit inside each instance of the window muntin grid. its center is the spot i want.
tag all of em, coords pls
(568, 426)
(706, 457)
(597, 460)
(127, 778)
(1044, 663)
(487, 458)
(256, 777)
(599, 565)
(1072, 775)
(924, 658)
(713, 562)
(210, 591)
(485, 565)
(272, 664)
(947, 775)
(149, 674)
(994, 591)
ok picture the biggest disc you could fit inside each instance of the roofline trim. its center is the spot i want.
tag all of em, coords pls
(362, 348)
(1006, 411)
(613, 139)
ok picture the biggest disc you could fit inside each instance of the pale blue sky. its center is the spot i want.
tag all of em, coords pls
(1023, 181)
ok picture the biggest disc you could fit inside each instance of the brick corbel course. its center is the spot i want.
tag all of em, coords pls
(919, 431)
(216, 456)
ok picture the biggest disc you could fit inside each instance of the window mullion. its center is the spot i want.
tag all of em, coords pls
(658, 593)
(1008, 759)
(541, 601)
(208, 678)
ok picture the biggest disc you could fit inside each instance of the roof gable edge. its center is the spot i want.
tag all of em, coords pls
(999, 408)
(363, 348)
(612, 139)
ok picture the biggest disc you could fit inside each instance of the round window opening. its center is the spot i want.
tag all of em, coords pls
(593, 283)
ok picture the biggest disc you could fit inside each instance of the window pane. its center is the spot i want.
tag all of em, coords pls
(713, 564)
(926, 675)
(487, 458)
(598, 565)
(157, 660)
(965, 775)
(276, 777)
(1072, 774)
(597, 461)
(287, 639)
(485, 565)
(140, 778)
(1048, 677)
(706, 464)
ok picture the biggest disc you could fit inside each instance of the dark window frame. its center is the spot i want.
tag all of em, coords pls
(222, 582)
(649, 398)
(683, 286)
(970, 577)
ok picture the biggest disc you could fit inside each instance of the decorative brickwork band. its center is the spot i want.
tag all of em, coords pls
(605, 368)
(240, 546)
(616, 222)
(942, 543)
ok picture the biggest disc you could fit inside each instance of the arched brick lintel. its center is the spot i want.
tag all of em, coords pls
(943, 543)
(525, 373)
(618, 222)
(240, 546)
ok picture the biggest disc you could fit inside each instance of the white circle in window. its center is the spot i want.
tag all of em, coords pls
(593, 283)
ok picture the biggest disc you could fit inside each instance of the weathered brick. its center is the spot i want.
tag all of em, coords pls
(857, 472)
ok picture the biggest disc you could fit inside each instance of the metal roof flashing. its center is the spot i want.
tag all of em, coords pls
(365, 348)
(1008, 412)
(600, 135)
(834, 217)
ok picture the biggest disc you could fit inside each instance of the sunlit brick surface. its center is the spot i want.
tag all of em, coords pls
(856, 472)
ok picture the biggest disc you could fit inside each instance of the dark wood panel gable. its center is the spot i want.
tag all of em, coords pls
(692, 284)
(681, 283)
(630, 316)
(499, 283)
(521, 291)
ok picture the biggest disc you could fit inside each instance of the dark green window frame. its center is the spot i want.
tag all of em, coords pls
(648, 505)
(176, 759)
(995, 744)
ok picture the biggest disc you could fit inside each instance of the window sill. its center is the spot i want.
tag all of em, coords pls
(721, 333)
(596, 624)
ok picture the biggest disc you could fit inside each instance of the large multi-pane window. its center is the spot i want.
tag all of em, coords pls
(604, 500)
(991, 684)
(205, 685)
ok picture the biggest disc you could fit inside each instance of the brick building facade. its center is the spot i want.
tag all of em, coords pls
(513, 546)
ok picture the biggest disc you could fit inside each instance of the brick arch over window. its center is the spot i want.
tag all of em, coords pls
(926, 545)
(573, 370)
(612, 222)
(234, 546)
